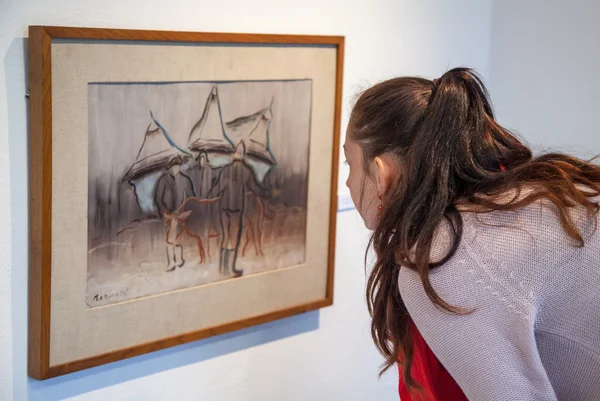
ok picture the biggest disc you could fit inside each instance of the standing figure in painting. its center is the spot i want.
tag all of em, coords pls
(172, 189)
(231, 185)
(241, 168)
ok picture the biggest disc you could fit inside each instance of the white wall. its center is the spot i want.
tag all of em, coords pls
(323, 355)
(545, 72)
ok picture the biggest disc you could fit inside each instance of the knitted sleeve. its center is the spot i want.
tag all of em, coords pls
(491, 352)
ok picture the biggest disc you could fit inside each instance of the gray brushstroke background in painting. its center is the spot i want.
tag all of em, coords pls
(119, 115)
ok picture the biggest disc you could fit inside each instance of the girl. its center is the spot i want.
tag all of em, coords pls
(487, 277)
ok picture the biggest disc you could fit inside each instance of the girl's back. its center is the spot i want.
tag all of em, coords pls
(533, 330)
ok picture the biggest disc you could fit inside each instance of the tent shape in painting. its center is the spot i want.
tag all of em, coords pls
(152, 158)
(208, 135)
(254, 131)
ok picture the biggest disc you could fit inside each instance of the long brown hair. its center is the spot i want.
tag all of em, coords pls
(451, 151)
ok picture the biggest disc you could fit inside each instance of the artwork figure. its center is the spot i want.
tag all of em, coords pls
(233, 181)
(173, 188)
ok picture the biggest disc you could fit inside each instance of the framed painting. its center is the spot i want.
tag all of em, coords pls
(182, 185)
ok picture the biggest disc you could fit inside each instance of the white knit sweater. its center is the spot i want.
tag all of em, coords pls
(535, 330)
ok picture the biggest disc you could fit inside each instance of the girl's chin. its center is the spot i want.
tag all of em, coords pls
(369, 224)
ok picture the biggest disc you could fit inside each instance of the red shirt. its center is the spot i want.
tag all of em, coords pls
(429, 373)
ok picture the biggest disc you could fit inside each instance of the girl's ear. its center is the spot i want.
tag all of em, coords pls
(386, 170)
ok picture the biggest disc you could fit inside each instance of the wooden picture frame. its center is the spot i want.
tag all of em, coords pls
(47, 155)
